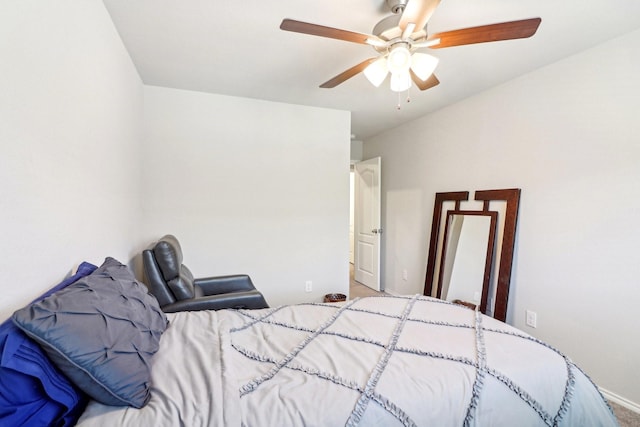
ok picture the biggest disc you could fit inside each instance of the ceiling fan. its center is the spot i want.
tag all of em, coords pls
(396, 38)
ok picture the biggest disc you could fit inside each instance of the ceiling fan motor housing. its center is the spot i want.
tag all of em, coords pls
(388, 29)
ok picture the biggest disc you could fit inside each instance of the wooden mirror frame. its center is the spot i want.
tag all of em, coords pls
(512, 199)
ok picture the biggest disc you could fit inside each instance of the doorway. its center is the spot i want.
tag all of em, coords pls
(366, 202)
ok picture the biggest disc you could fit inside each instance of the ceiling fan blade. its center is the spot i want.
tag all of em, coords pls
(418, 12)
(425, 84)
(487, 33)
(346, 75)
(332, 33)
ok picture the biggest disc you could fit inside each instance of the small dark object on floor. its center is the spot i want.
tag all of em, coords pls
(335, 297)
(465, 303)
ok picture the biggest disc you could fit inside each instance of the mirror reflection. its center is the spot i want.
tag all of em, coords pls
(467, 257)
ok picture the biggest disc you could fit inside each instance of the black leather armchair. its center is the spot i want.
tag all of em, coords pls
(176, 289)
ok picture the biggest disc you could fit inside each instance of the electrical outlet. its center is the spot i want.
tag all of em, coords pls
(531, 318)
(476, 296)
(404, 275)
(308, 286)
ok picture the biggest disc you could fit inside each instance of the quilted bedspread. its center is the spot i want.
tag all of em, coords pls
(376, 361)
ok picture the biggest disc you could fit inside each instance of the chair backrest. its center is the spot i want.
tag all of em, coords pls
(168, 279)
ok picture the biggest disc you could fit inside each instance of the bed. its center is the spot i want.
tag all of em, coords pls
(375, 361)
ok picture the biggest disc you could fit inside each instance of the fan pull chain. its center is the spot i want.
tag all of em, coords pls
(399, 105)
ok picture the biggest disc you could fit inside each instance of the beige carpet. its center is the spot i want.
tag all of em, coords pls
(626, 417)
(357, 290)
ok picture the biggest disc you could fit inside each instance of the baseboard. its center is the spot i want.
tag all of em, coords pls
(632, 406)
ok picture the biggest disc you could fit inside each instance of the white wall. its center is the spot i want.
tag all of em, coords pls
(568, 135)
(70, 114)
(250, 187)
(253, 187)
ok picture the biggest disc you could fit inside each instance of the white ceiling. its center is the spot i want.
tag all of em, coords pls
(237, 48)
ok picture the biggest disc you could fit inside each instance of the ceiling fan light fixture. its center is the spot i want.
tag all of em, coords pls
(377, 71)
(399, 59)
(423, 65)
(400, 81)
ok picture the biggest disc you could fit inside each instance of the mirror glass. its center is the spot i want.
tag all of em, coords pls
(467, 254)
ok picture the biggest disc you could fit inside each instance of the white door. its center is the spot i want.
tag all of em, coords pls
(367, 223)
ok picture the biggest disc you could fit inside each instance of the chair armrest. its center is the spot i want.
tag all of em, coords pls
(224, 284)
(250, 299)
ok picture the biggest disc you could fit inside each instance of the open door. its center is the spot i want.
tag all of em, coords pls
(367, 223)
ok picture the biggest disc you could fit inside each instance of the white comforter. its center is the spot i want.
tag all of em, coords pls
(378, 361)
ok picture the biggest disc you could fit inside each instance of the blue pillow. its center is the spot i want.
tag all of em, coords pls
(33, 391)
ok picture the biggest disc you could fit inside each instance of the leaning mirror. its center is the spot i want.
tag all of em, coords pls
(457, 272)
(467, 258)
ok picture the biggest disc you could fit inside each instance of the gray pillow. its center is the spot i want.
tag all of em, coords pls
(101, 331)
